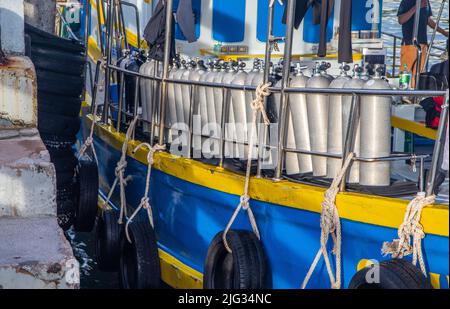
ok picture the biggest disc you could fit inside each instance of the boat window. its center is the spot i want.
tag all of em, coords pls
(229, 20)
(197, 10)
(279, 29)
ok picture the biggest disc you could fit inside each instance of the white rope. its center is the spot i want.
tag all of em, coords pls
(410, 233)
(89, 142)
(145, 203)
(120, 173)
(257, 105)
(330, 224)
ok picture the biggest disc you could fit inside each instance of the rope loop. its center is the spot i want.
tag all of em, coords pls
(257, 105)
(410, 232)
(145, 200)
(244, 201)
(262, 91)
(330, 225)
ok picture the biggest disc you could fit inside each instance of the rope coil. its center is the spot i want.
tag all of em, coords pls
(120, 173)
(330, 225)
(410, 233)
(145, 202)
(257, 105)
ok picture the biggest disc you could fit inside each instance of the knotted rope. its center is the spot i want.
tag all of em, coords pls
(120, 173)
(330, 224)
(89, 142)
(145, 203)
(257, 105)
(410, 233)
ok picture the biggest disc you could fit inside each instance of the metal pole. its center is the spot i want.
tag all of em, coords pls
(138, 24)
(350, 136)
(109, 36)
(284, 83)
(167, 49)
(434, 33)
(99, 25)
(394, 58)
(262, 136)
(416, 42)
(438, 147)
(223, 121)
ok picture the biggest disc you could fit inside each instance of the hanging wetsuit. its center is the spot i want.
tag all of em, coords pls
(155, 33)
(345, 32)
(186, 20)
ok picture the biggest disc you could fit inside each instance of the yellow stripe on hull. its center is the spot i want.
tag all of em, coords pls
(371, 209)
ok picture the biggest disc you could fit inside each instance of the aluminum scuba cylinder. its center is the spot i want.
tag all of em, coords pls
(179, 105)
(130, 81)
(238, 104)
(355, 83)
(375, 133)
(317, 106)
(299, 118)
(335, 142)
(171, 97)
(324, 66)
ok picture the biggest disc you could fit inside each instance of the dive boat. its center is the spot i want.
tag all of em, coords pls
(224, 209)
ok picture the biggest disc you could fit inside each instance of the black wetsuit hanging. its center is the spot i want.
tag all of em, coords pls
(322, 10)
(155, 33)
(186, 20)
(345, 32)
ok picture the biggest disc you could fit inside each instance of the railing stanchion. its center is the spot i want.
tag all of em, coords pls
(350, 136)
(167, 49)
(285, 83)
(438, 147)
(262, 130)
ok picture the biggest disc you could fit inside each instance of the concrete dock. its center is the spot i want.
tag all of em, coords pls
(34, 252)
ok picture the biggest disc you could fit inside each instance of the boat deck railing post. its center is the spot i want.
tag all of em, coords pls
(262, 130)
(438, 147)
(282, 113)
(165, 75)
(350, 136)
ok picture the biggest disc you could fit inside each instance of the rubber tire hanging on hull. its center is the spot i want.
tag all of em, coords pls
(244, 268)
(139, 260)
(108, 233)
(87, 183)
(394, 274)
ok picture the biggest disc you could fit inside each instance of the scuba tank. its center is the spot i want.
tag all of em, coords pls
(335, 142)
(375, 132)
(171, 97)
(149, 92)
(202, 111)
(324, 66)
(355, 83)
(238, 105)
(207, 108)
(179, 105)
(299, 122)
(317, 106)
(133, 64)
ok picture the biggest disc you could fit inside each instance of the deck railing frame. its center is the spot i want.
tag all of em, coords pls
(285, 91)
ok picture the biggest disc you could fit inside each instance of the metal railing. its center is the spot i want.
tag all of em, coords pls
(284, 92)
(397, 41)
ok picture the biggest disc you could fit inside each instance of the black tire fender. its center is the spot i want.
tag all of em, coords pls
(139, 260)
(87, 184)
(59, 125)
(108, 234)
(394, 274)
(244, 268)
